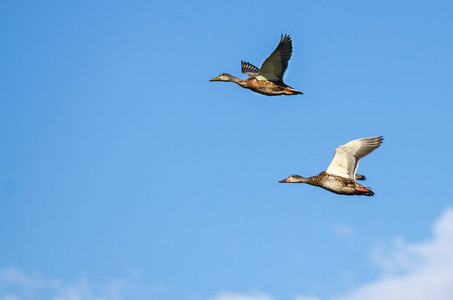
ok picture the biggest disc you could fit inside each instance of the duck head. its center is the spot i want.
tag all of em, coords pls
(293, 179)
(223, 77)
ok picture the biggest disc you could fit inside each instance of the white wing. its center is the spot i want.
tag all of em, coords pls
(347, 156)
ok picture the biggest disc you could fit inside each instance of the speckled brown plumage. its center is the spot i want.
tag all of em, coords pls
(266, 87)
(269, 79)
(340, 177)
(338, 185)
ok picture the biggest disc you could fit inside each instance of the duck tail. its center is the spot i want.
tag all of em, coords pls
(365, 191)
(369, 193)
(294, 92)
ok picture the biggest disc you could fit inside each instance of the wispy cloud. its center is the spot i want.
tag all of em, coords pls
(236, 296)
(18, 285)
(344, 230)
(418, 271)
(410, 271)
(254, 296)
(306, 298)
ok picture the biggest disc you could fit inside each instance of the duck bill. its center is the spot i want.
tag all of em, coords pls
(215, 79)
(284, 180)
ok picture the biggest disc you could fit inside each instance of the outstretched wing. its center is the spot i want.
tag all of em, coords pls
(347, 156)
(249, 69)
(275, 65)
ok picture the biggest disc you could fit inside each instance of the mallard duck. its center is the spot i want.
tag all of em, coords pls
(340, 177)
(269, 79)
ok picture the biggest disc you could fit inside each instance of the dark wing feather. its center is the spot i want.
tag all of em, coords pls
(359, 177)
(275, 65)
(249, 69)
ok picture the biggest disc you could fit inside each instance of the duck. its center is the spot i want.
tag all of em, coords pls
(269, 79)
(340, 177)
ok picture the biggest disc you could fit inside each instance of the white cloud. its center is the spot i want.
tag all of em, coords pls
(411, 271)
(9, 297)
(17, 285)
(306, 298)
(234, 296)
(344, 230)
(254, 296)
(14, 277)
(418, 271)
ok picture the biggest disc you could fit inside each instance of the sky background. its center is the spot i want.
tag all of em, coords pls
(126, 174)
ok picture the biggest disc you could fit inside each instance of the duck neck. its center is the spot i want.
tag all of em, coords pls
(238, 81)
(303, 180)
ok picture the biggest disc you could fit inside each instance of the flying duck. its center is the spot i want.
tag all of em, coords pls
(269, 79)
(340, 177)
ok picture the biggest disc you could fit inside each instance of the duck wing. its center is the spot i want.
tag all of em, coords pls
(275, 65)
(347, 156)
(249, 69)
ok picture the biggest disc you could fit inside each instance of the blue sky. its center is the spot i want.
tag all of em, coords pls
(126, 174)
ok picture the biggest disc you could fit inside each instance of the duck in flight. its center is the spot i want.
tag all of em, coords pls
(340, 177)
(269, 79)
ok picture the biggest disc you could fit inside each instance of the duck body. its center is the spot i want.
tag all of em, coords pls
(338, 185)
(263, 87)
(270, 88)
(269, 79)
(340, 177)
